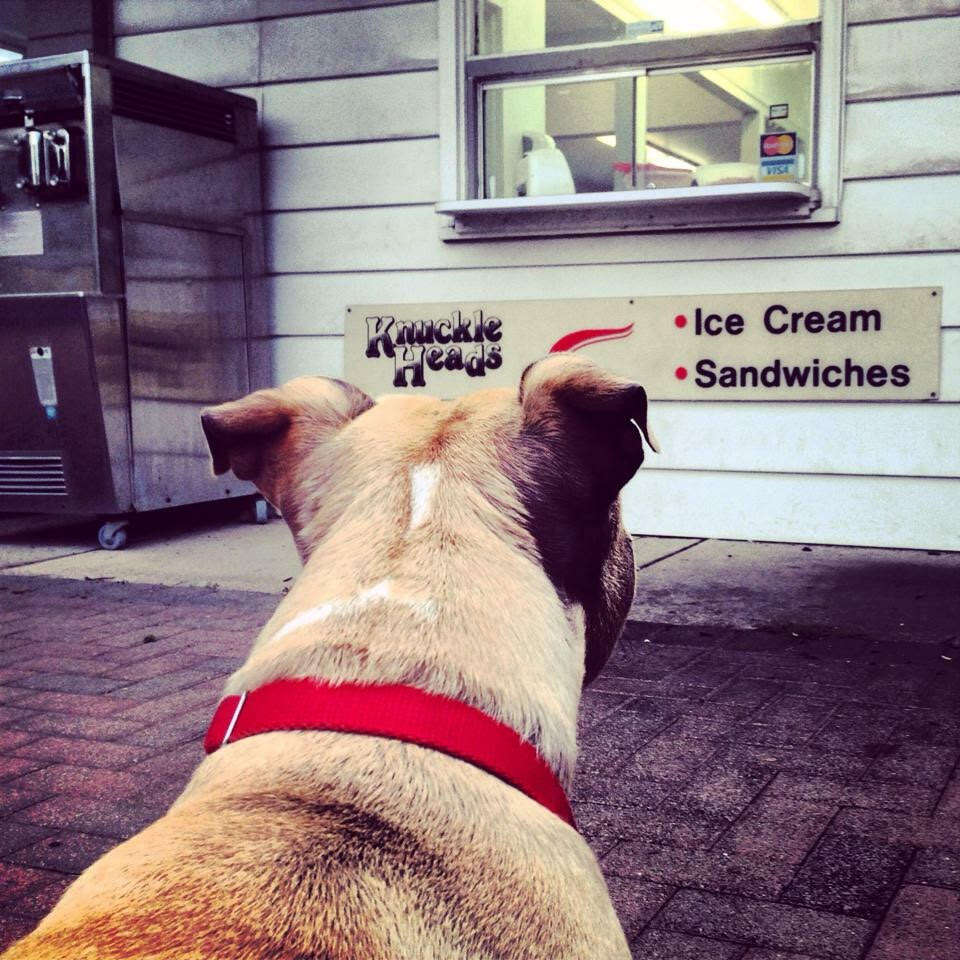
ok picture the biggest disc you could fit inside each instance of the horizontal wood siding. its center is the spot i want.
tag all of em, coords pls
(313, 303)
(287, 357)
(144, 16)
(903, 58)
(950, 366)
(896, 138)
(864, 11)
(355, 109)
(221, 56)
(796, 508)
(352, 175)
(275, 8)
(895, 440)
(349, 104)
(378, 40)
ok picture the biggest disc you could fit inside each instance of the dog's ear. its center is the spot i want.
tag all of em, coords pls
(581, 438)
(590, 412)
(248, 435)
(238, 431)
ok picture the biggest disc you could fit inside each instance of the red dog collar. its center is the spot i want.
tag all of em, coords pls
(400, 713)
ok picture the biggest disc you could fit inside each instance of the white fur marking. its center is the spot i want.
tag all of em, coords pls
(304, 619)
(423, 481)
(378, 593)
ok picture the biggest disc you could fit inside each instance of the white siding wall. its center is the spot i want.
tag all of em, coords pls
(350, 127)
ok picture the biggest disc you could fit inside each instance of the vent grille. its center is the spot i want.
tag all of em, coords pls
(172, 108)
(32, 475)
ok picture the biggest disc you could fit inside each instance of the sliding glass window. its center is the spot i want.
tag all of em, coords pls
(647, 129)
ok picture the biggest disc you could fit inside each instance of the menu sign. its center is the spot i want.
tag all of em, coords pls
(811, 345)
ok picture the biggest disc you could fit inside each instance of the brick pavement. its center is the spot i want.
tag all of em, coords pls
(752, 794)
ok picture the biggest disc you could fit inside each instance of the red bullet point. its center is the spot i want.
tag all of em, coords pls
(680, 320)
(680, 373)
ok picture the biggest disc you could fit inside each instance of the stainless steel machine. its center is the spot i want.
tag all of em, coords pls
(130, 240)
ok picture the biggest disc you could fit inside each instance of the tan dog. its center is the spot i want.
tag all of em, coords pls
(471, 548)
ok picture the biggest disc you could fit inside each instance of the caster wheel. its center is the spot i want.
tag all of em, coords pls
(113, 535)
(259, 511)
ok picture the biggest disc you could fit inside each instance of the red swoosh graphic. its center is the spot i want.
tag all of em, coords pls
(580, 338)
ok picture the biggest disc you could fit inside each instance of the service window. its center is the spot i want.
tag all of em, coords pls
(612, 115)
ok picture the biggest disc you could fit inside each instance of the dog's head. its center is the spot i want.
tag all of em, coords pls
(548, 461)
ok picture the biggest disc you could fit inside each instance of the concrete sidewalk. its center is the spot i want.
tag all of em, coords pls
(769, 764)
(191, 547)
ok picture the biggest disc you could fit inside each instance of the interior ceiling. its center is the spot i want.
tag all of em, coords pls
(570, 21)
(673, 100)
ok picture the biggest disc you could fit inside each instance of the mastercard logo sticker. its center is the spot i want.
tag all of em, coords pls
(778, 144)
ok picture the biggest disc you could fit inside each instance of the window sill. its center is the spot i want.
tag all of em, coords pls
(635, 211)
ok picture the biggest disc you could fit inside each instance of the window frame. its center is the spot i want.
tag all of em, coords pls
(462, 76)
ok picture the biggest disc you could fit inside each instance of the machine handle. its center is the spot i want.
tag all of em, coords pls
(45, 158)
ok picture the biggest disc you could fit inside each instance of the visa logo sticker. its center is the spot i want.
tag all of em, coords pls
(778, 169)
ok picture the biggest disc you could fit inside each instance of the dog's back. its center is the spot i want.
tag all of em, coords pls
(470, 549)
(381, 850)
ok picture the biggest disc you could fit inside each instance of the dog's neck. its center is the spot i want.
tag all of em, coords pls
(458, 606)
